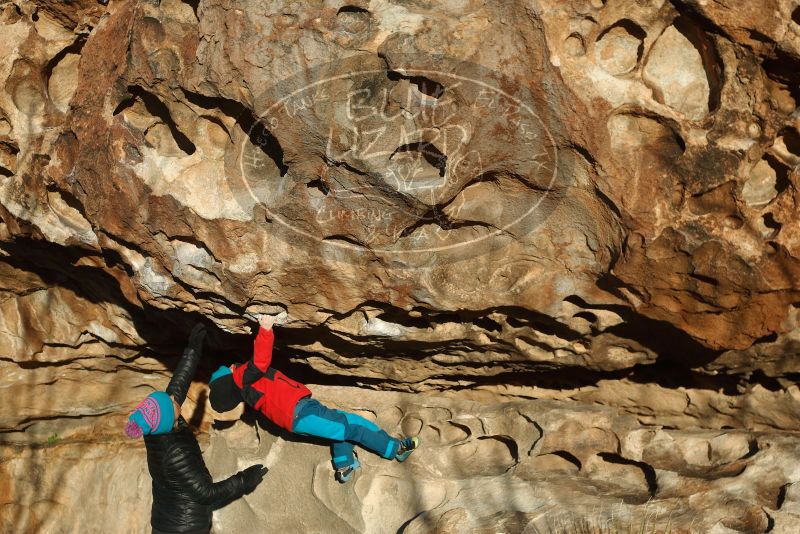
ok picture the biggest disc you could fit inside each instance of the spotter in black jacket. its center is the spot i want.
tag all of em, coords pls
(184, 494)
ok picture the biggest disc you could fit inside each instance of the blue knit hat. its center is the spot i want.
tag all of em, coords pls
(154, 415)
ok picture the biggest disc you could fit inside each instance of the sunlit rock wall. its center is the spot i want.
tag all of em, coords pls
(593, 202)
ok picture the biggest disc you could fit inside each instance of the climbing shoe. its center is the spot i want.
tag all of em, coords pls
(343, 474)
(407, 446)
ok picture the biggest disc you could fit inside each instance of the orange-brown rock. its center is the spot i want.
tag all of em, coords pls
(592, 202)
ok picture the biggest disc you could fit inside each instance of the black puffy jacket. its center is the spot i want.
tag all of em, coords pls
(184, 494)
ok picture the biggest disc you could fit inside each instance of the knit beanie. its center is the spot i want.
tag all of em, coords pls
(154, 415)
(225, 394)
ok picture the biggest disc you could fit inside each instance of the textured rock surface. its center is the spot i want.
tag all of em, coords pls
(591, 203)
(520, 466)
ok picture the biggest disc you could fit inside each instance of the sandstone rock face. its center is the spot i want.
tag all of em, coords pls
(519, 466)
(586, 209)
(675, 73)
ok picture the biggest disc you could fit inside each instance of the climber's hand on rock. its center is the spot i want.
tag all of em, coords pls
(266, 321)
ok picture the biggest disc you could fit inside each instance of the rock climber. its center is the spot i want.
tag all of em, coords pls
(184, 494)
(288, 404)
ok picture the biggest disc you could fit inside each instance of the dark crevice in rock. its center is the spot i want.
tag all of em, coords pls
(123, 105)
(516, 316)
(670, 143)
(259, 135)
(756, 35)
(519, 318)
(784, 68)
(9, 147)
(428, 151)
(688, 11)
(68, 198)
(493, 176)
(17, 13)
(534, 342)
(440, 220)
(464, 428)
(165, 332)
(194, 4)
(437, 217)
(678, 141)
(791, 138)
(584, 153)
(782, 179)
(58, 363)
(796, 16)
(216, 120)
(488, 324)
(509, 442)
(74, 48)
(346, 240)
(705, 279)
(565, 378)
(401, 317)
(772, 224)
(405, 525)
(538, 439)
(770, 522)
(712, 63)
(157, 108)
(771, 383)
(353, 19)
(30, 420)
(425, 85)
(769, 338)
(752, 449)
(113, 258)
(372, 346)
(57, 266)
(568, 456)
(608, 202)
(124, 362)
(319, 185)
(781, 497)
(632, 29)
(352, 9)
(11, 150)
(647, 469)
(662, 337)
(538, 429)
(337, 163)
(589, 316)
(759, 37)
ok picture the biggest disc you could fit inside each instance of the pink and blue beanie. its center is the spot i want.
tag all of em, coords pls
(154, 415)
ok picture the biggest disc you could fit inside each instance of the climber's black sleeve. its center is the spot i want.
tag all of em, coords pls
(185, 471)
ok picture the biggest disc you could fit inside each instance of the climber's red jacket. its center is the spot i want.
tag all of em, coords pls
(266, 389)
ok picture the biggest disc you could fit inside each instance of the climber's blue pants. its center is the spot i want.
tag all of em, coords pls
(346, 430)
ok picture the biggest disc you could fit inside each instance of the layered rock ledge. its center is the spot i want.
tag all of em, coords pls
(557, 239)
